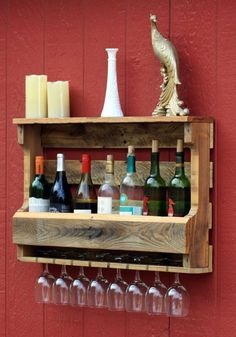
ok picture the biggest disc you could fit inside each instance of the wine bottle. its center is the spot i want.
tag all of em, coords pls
(131, 193)
(155, 198)
(179, 187)
(39, 189)
(60, 196)
(108, 193)
(85, 200)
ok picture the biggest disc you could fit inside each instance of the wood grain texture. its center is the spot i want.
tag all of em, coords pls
(73, 171)
(26, 253)
(137, 233)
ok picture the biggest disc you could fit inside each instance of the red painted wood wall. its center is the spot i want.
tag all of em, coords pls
(66, 40)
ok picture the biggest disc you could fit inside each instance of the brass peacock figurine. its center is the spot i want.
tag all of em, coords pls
(169, 103)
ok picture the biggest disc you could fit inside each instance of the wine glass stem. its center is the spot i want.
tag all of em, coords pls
(157, 277)
(177, 278)
(63, 269)
(81, 270)
(137, 275)
(100, 272)
(118, 274)
(46, 270)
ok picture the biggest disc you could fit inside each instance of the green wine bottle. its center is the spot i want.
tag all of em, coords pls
(179, 196)
(155, 198)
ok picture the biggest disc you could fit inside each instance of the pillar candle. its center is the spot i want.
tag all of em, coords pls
(36, 96)
(58, 99)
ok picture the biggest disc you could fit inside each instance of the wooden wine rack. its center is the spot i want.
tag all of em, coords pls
(187, 236)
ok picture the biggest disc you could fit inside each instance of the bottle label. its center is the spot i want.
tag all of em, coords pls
(83, 211)
(131, 210)
(61, 208)
(104, 205)
(38, 204)
(179, 201)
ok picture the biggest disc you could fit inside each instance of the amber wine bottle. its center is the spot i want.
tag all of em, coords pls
(131, 191)
(155, 197)
(179, 202)
(39, 189)
(60, 196)
(85, 200)
(108, 193)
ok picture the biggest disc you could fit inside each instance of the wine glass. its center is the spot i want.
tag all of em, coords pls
(60, 288)
(78, 289)
(135, 295)
(116, 293)
(97, 291)
(43, 286)
(155, 304)
(177, 300)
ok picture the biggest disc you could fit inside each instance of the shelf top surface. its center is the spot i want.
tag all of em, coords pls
(113, 120)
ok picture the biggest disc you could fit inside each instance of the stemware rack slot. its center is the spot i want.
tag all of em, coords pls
(187, 236)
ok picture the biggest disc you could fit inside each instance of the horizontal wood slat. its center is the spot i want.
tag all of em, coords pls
(73, 169)
(25, 255)
(110, 135)
(112, 120)
(132, 233)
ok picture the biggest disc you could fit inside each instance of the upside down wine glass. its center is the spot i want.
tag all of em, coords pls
(116, 293)
(177, 299)
(97, 291)
(78, 289)
(43, 286)
(60, 288)
(155, 297)
(135, 295)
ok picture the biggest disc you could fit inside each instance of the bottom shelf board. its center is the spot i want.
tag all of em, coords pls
(114, 265)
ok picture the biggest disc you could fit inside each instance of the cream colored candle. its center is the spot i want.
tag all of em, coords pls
(36, 96)
(58, 99)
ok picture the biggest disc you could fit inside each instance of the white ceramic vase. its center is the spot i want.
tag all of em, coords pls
(111, 107)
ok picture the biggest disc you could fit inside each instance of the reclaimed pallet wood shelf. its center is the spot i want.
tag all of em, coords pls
(187, 236)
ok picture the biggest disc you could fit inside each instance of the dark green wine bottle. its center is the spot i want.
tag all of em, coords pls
(179, 195)
(155, 198)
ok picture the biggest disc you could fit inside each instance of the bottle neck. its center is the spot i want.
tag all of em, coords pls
(39, 168)
(86, 167)
(109, 175)
(60, 164)
(179, 168)
(155, 170)
(131, 166)
(109, 178)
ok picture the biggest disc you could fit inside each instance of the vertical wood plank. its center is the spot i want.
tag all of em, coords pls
(224, 207)
(64, 58)
(64, 55)
(104, 27)
(142, 94)
(142, 67)
(25, 48)
(193, 31)
(3, 41)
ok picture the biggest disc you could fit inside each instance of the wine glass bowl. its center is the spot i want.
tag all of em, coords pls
(78, 290)
(97, 291)
(135, 295)
(177, 300)
(60, 288)
(155, 297)
(116, 293)
(43, 287)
